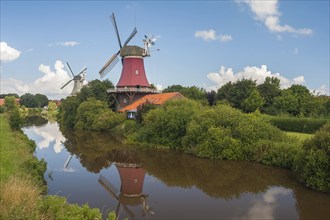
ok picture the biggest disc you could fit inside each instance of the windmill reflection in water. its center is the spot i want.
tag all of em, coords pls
(132, 178)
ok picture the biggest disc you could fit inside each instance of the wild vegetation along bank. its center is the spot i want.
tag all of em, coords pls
(22, 187)
(216, 132)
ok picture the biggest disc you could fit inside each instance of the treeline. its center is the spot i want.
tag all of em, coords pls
(267, 97)
(223, 132)
(29, 100)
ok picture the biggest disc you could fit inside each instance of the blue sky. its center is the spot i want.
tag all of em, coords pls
(202, 43)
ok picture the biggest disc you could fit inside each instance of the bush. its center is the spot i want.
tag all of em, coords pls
(88, 111)
(68, 111)
(228, 134)
(166, 126)
(55, 207)
(313, 164)
(15, 119)
(302, 125)
(107, 120)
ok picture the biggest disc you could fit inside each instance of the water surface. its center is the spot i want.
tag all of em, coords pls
(95, 168)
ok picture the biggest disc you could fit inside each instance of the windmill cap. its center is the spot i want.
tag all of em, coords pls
(131, 51)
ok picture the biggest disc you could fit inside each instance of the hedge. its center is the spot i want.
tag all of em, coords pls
(302, 125)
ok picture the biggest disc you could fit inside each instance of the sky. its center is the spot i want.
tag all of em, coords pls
(198, 43)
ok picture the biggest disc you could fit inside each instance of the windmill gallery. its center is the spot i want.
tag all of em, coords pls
(133, 84)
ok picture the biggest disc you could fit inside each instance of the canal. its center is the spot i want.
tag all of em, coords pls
(95, 168)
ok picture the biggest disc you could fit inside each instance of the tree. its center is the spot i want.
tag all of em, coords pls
(2, 96)
(107, 120)
(296, 100)
(192, 92)
(142, 111)
(29, 100)
(52, 106)
(235, 93)
(253, 102)
(10, 102)
(225, 92)
(42, 100)
(68, 111)
(269, 89)
(88, 111)
(97, 89)
(15, 119)
(287, 103)
(211, 97)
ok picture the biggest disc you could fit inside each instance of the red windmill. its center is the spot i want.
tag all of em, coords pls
(133, 82)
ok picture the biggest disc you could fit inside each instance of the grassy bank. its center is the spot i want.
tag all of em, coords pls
(22, 188)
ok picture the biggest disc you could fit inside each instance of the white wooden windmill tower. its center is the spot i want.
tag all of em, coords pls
(78, 80)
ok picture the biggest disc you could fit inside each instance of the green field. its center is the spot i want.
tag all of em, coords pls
(301, 136)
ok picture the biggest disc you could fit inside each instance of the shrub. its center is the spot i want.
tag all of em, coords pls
(228, 134)
(302, 125)
(55, 207)
(68, 111)
(15, 119)
(166, 126)
(217, 143)
(313, 164)
(88, 111)
(107, 120)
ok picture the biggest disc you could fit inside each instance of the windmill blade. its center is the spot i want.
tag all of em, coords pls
(109, 65)
(131, 36)
(114, 24)
(82, 71)
(68, 161)
(70, 68)
(107, 185)
(66, 83)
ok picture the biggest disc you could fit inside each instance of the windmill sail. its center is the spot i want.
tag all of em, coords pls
(114, 59)
(109, 65)
(78, 80)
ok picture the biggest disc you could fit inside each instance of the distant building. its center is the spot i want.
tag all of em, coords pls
(2, 101)
(156, 99)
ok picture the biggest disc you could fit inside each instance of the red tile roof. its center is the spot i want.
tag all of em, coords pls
(157, 99)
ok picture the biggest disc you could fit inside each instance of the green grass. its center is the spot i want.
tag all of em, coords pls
(14, 151)
(301, 136)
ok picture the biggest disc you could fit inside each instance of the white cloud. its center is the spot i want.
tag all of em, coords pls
(225, 38)
(298, 80)
(211, 35)
(8, 53)
(50, 136)
(12, 85)
(264, 208)
(49, 84)
(65, 44)
(322, 90)
(259, 74)
(268, 13)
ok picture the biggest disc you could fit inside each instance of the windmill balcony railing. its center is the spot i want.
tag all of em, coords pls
(141, 90)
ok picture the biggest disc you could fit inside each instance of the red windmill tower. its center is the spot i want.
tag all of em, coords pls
(133, 83)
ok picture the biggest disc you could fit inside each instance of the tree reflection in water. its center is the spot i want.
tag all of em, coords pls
(219, 179)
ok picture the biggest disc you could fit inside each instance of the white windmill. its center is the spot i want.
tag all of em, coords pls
(148, 42)
(78, 80)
